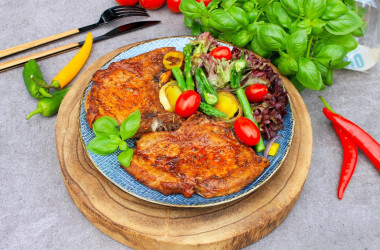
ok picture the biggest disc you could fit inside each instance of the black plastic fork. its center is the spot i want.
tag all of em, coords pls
(107, 16)
(115, 13)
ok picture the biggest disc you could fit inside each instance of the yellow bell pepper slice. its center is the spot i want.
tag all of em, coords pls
(173, 59)
(74, 66)
(273, 149)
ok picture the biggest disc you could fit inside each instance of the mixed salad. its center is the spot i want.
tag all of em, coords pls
(231, 84)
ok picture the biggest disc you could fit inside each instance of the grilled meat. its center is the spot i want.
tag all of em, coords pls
(203, 156)
(129, 85)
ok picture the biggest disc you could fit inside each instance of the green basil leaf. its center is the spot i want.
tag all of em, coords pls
(308, 74)
(348, 41)
(239, 15)
(242, 38)
(328, 80)
(330, 55)
(102, 146)
(214, 4)
(314, 8)
(123, 145)
(271, 36)
(125, 157)
(297, 84)
(288, 66)
(271, 15)
(226, 4)
(256, 47)
(342, 64)
(318, 26)
(223, 21)
(359, 31)
(326, 73)
(196, 29)
(130, 125)
(252, 15)
(334, 9)
(213, 32)
(297, 43)
(262, 3)
(248, 6)
(188, 21)
(105, 126)
(305, 25)
(350, 3)
(283, 18)
(344, 24)
(293, 7)
(294, 27)
(191, 8)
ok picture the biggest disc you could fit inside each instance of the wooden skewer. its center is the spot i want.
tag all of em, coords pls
(20, 61)
(29, 45)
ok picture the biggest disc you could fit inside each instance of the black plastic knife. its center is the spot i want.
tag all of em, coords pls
(51, 52)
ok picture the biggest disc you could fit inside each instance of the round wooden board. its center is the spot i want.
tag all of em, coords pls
(143, 225)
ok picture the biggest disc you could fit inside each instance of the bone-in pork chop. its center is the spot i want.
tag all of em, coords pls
(129, 85)
(203, 156)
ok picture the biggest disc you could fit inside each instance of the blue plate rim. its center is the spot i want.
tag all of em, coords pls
(244, 194)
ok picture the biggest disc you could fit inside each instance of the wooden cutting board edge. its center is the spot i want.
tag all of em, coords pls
(146, 225)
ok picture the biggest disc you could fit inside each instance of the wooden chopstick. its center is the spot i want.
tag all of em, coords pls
(36, 43)
(40, 55)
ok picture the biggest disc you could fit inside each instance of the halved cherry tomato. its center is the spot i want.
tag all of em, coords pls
(221, 52)
(173, 5)
(206, 2)
(256, 92)
(187, 103)
(127, 2)
(247, 131)
(173, 59)
(151, 4)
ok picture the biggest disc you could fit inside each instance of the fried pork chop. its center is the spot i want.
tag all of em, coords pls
(203, 156)
(129, 85)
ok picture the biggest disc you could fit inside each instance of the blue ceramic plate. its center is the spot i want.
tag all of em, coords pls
(110, 168)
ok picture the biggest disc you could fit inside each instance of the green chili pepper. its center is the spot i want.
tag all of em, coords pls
(49, 106)
(179, 78)
(237, 71)
(247, 110)
(187, 51)
(205, 88)
(33, 79)
(210, 110)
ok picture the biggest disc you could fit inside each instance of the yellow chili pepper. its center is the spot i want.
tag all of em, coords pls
(74, 66)
(173, 59)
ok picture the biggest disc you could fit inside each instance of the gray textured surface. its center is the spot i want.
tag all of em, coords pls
(36, 211)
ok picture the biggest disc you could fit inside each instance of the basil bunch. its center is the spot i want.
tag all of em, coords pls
(110, 136)
(305, 39)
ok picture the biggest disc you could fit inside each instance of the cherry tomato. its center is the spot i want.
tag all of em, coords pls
(151, 4)
(221, 52)
(247, 131)
(173, 5)
(206, 2)
(256, 92)
(127, 2)
(187, 103)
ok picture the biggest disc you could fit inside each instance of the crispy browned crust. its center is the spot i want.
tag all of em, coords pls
(129, 85)
(203, 156)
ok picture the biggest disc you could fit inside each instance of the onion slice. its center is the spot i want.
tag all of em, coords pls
(269, 144)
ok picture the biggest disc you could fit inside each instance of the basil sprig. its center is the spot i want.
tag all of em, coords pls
(305, 39)
(110, 136)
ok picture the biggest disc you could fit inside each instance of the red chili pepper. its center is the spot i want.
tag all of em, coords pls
(350, 157)
(362, 139)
